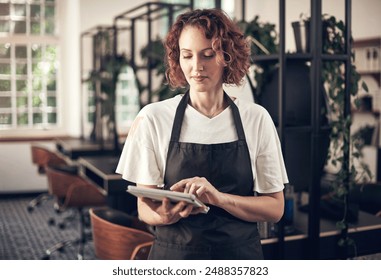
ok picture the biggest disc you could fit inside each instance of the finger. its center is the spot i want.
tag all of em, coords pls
(179, 206)
(187, 188)
(193, 188)
(166, 204)
(200, 191)
(186, 212)
(179, 186)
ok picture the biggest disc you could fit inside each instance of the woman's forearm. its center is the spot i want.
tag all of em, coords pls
(267, 207)
(147, 215)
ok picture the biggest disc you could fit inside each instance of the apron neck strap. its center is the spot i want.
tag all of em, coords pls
(180, 111)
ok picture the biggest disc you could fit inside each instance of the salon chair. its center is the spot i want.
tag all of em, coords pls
(119, 236)
(71, 191)
(42, 156)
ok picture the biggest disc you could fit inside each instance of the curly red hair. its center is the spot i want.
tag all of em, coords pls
(228, 42)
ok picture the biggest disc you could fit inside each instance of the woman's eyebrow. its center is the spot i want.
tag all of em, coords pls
(206, 49)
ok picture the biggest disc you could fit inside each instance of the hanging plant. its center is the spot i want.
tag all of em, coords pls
(346, 149)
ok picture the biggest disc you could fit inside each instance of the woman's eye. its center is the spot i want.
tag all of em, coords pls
(208, 56)
(187, 57)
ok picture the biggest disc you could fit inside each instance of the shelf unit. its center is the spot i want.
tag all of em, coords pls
(101, 38)
(368, 57)
(317, 129)
(150, 13)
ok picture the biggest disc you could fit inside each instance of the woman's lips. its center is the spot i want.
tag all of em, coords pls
(199, 78)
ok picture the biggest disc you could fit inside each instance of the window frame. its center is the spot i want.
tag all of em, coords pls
(29, 40)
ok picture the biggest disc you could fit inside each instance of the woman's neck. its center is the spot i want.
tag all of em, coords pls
(209, 104)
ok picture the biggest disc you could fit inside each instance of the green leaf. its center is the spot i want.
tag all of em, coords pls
(341, 225)
(364, 86)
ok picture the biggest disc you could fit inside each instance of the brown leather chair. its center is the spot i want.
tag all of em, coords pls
(42, 157)
(71, 191)
(119, 236)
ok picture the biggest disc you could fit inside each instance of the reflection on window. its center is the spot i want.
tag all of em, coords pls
(127, 99)
(127, 95)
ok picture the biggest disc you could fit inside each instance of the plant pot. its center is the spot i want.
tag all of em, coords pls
(302, 36)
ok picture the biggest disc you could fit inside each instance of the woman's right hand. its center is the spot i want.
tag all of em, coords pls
(168, 213)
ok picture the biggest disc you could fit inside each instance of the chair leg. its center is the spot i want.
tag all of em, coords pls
(60, 246)
(38, 200)
(80, 242)
(82, 234)
(67, 219)
(61, 222)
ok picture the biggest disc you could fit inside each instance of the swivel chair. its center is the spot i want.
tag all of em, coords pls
(71, 191)
(42, 157)
(119, 236)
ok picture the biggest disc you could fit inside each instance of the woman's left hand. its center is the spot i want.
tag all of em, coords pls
(200, 187)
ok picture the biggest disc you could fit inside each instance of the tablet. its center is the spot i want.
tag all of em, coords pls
(159, 194)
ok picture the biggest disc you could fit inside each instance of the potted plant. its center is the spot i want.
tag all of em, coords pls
(264, 39)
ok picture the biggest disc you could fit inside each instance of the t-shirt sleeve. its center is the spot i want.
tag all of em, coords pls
(138, 161)
(271, 172)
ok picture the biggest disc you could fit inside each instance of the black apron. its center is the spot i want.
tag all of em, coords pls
(227, 166)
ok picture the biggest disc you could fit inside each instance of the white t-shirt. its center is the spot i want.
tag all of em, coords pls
(145, 151)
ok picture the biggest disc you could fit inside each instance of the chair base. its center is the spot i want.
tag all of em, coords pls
(38, 200)
(60, 247)
(63, 220)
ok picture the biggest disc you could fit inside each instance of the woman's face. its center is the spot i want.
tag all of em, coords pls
(198, 61)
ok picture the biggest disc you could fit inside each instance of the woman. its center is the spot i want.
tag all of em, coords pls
(204, 142)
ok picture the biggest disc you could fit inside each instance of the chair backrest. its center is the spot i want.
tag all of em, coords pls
(59, 181)
(115, 238)
(42, 157)
(72, 190)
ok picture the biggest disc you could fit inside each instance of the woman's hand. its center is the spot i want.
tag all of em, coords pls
(163, 213)
(264, 207)
(201, 187)
(168, 212)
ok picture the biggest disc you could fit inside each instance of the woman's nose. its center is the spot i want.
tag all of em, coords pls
(197, 65)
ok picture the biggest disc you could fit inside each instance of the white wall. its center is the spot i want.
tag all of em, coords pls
(17, 172)
(77, 17)
(102, 12)
(70, 87)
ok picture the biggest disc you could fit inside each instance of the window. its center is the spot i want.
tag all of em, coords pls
(28, 64)
(98, 62)
(127, 94)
